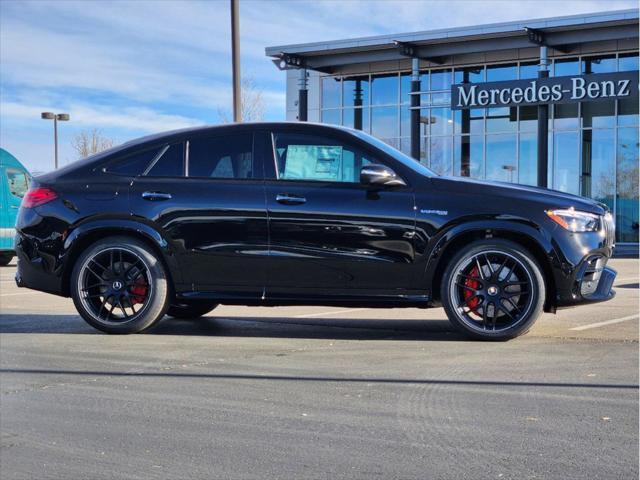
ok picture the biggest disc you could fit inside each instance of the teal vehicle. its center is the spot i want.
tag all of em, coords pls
(14, 183)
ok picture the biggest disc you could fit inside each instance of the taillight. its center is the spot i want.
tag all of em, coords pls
(38, 196)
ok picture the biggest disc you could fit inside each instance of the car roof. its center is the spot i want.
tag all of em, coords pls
(182, 134)
(245, 126)
(8, 160)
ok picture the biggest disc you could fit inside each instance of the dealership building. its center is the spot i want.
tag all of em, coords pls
(550, 102)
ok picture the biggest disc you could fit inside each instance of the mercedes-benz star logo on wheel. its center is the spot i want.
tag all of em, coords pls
(117, 285)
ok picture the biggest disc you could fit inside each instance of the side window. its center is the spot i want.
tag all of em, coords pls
(170, 163)
(18, 182)
(229, 156)
(133, 165)
(309, 157)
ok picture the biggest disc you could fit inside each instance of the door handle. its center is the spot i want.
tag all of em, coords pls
(287, 199)
(156, 196)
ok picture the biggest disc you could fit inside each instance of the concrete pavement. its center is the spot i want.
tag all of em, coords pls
(316, 392)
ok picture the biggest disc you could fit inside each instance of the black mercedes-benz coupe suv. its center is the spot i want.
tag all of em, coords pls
(304, 214)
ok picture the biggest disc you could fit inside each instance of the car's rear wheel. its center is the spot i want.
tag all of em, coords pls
(493, 290)
(118, 285)
(5, 258)
(190, 309)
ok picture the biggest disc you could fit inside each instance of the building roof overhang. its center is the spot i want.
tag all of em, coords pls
(560, 33)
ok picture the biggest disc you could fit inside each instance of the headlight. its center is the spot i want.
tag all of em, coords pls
(574, 221)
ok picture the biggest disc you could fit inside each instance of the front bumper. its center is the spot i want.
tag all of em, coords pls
(580, 267)
(592, 283)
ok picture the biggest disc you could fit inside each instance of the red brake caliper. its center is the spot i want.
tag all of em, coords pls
(467, 294)
(139, 291)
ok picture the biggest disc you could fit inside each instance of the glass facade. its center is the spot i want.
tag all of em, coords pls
(593, 146)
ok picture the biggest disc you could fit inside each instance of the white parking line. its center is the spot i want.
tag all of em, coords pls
(602, 324)
(337, 312)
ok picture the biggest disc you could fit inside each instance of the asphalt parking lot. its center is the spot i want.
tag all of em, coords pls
(316, 392)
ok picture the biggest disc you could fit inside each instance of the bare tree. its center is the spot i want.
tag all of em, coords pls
(627, 171)
(252, 103)
(90, 142)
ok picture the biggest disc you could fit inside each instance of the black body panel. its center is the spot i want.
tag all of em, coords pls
(271, 241)
(217, 232)
(366, 242)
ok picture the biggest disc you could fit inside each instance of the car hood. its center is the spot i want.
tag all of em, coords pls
(549, 198)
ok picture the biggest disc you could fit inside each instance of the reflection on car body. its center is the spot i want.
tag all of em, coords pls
(296, 213)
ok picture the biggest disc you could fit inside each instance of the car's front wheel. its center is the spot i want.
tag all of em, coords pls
(493, 290)
(190, 309)
(119, 285)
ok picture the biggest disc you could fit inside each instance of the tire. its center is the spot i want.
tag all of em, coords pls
(493, 290)
(190, 310)
(118, 285)
(5, 259)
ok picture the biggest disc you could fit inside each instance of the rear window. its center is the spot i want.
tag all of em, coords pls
(230, 156)
(170, 164)
(135, 164)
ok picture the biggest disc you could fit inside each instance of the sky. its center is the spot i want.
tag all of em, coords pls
(130, 68)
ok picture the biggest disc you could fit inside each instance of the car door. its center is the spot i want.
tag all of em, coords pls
(206, 195)
(329, 234)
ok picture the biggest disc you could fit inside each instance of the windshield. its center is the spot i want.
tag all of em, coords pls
(406, 160)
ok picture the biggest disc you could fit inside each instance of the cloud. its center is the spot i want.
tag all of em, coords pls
(313, 21)
(29, 138)
(133, 67)
(64, 60)
(134, 118)
(179, 52)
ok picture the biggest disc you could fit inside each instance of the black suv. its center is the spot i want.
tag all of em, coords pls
(303, 214)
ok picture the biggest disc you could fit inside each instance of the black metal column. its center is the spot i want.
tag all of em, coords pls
(415, 112)
(543, 125)
(465, 141)
(302, 95)
(357, 103)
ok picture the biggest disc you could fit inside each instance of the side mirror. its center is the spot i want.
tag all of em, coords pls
(380, 175)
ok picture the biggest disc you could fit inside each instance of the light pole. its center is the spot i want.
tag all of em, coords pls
(63, 117)
(235, 60)
(510, 169)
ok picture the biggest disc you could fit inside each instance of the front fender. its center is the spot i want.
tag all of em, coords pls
(486, 228)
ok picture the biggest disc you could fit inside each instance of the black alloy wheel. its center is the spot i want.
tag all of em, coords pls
(118, 286)
(493, 290)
